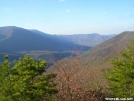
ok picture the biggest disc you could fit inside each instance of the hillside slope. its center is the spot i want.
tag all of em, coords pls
(100, 55)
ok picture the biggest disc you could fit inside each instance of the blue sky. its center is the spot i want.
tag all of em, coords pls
(69, 16)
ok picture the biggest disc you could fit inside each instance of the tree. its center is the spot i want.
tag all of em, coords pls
(121, 76)
(25, 80)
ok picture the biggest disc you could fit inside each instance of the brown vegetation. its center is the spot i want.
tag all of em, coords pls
(76, 82)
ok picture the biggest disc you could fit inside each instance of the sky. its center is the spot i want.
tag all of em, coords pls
(69, 16)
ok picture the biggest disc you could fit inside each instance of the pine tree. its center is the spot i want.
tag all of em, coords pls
(25, 81)
(121, 76)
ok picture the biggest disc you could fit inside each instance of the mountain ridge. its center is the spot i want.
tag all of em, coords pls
(108, 49)
(92, 39)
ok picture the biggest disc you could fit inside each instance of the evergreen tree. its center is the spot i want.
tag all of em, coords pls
(121, 76)
(25, 81)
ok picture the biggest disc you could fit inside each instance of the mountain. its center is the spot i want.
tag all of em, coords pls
(16, 42)
(87, 39)
(100, 55)
(19, 39)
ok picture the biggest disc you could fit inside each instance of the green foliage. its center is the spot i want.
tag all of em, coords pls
(25, 81)
(121, 76)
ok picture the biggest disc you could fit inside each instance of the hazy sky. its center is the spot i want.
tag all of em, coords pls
(69, 16)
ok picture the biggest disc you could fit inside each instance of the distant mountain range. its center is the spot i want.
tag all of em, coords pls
(19, 39)
(87, 39)
(16, 42)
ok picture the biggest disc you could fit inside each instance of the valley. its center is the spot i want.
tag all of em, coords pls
(16, 42)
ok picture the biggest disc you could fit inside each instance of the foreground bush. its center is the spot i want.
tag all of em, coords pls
(24, 81)
(73, 79)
